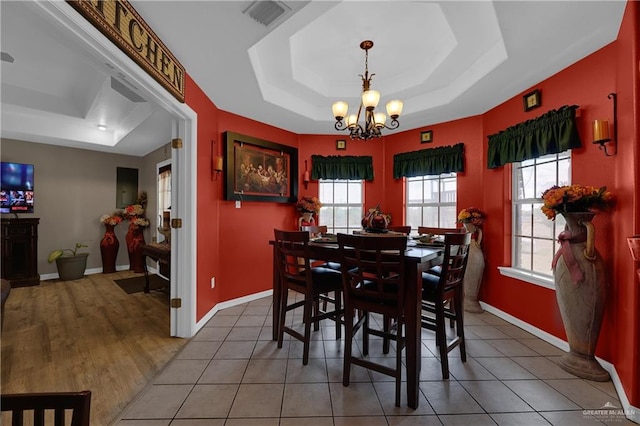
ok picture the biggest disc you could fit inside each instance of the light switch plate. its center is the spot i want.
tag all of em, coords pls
(237, 204)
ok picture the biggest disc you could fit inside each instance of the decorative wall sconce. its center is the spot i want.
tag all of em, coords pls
(216, 163)
(305, 175)
(601, 128)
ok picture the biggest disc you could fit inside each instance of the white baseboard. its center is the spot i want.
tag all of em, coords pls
(55, 276)
(229, 304)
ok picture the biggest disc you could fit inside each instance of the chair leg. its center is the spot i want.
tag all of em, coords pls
(348, 342)
(308, 309)
(338, 307)
(316, 312)
(284, 294)
(398, 360)
(460, 325)
(442, 337)
(365, 334)
(386, 327)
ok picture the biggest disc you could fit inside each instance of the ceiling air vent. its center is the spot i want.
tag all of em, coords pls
(266, 12)
(125, 91)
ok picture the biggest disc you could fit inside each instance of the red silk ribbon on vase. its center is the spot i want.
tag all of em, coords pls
(565, 238)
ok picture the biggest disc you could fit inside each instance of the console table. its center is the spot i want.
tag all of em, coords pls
(160, 252)
(20, 251)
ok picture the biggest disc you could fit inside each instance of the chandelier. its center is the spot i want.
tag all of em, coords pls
(374, 122)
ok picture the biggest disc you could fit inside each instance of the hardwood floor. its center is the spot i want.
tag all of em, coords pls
(86, 334)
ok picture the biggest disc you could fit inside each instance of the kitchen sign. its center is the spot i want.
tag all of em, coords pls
(120, 22)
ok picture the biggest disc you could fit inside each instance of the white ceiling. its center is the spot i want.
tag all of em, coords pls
(445, 60)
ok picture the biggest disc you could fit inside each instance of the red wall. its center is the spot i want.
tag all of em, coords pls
(233, 243)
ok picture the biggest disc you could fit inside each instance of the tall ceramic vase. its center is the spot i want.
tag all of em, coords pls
(109, 246)
(580, 279)
(135, 241)
(306, 219)
(475, 270)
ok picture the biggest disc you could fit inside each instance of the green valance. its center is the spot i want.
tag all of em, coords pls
(429, 162)
(551, 133)
(341, 167)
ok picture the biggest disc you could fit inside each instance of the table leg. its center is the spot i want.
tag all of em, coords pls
(413, 333)
(276, 295)
(146, 274)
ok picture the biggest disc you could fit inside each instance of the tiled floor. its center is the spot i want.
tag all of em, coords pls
(231, 373)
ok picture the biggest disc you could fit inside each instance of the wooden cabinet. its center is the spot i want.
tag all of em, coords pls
(20, 251)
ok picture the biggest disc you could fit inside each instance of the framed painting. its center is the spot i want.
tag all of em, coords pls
(426, 136)
(259, 170)
(531, 100)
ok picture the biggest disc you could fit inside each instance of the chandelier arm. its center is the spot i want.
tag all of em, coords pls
(340, 125)
(393, 125)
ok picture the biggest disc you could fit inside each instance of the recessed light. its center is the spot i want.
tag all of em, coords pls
(102, 127)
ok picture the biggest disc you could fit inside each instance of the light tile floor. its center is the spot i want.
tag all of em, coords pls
(231, 373)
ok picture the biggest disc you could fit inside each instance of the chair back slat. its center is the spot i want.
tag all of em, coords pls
(40, 403)
(373, 270)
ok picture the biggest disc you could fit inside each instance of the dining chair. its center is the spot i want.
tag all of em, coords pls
(400, 228)
(40, 404)
(426, 230)
(442, 298)
(373, 275)
(314, 283)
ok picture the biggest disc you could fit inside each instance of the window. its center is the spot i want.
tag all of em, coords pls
(533, 234)
(341, 205)
(431, 201)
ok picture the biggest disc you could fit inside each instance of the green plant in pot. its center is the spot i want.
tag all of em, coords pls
(70, 266)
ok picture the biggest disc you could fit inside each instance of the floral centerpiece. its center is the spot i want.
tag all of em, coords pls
(472, 215)
(111, 219)
(575, 198)
(134, 210)
(375, 219)
(308, 205)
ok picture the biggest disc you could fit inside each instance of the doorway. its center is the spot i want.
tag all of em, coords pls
(183, 320)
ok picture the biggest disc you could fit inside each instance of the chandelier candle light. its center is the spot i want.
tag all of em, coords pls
(374, 122)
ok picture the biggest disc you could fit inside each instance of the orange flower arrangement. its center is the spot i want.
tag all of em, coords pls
(309, 205)
(575, 198)
(472, 215)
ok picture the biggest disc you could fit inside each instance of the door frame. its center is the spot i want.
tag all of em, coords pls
(183, 169)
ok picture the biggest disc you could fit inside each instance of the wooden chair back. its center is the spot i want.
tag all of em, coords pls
(41, 404)
(456, 254)
(373, 272)
(426, 230)
(292, 254)
(398, 228)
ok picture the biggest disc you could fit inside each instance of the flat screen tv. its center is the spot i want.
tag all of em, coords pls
(16, 187)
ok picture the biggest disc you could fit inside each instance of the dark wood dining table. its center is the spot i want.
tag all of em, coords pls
(418, 259)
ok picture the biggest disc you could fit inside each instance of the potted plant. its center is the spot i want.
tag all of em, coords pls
(70, 266)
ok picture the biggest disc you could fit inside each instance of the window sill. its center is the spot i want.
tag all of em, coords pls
(527, 276)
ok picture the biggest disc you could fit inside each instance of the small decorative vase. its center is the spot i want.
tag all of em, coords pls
(475, 270)
(580, 279)
(306, 219)
(109, 246)
(135, 241)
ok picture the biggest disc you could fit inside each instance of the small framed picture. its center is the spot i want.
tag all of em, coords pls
(531, 100)
(426, 137)
(341, 144)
